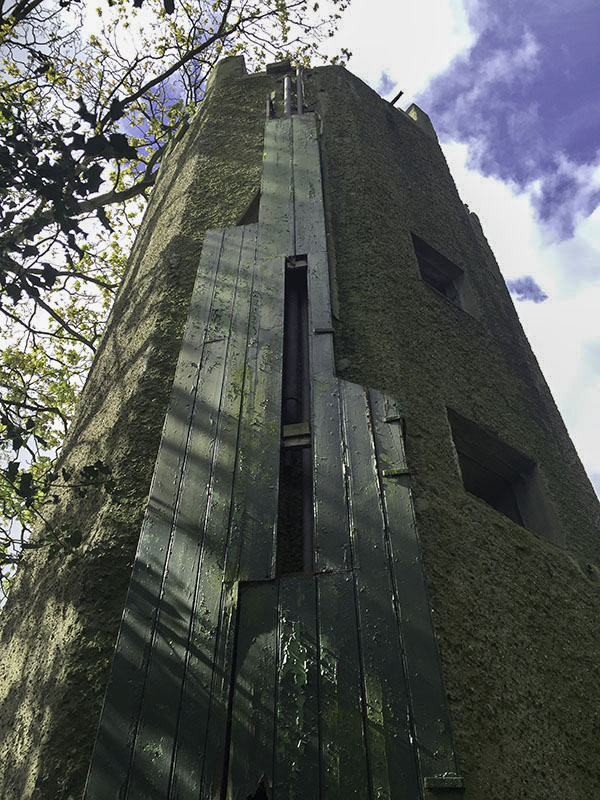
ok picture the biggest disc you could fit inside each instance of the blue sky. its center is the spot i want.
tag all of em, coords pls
(526, 88)
(512, 90)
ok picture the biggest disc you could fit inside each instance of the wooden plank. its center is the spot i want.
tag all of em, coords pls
(331, 536)
(392, 761)
(343, 762)
(151, 766)
(309, 224)
(429, 708)
(331, 540)
(297, 734)
(254, 520)
(319, 294)
(253, 704)
(200, 757)
(110, 764)
(275, 216)
(212, 743)
(260, 431)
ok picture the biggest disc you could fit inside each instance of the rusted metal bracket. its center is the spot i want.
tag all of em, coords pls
(296, 262)
(395, 472)
(318, 331)
(441, 782)
(397, 418)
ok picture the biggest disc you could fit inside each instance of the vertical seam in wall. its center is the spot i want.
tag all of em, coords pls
(278, 636)
(230, 693)
(395, 592)
(318, 684)
(292, 200)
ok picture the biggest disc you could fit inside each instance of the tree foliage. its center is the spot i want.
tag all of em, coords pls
(91, 94)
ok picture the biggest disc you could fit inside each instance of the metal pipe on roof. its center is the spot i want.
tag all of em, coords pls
(299, 89)
(287, 96)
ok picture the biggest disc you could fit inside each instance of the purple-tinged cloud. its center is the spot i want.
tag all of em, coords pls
(526, 288)
(524, 97)
(386, 85)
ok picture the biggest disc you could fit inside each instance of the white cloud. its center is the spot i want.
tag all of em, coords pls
(563, 330)
(410, 42)
(583, 181)
(502, 64)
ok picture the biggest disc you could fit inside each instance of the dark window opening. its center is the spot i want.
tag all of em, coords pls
(503, 478)
(495, 489)
(439, 272)
(295, 515)
(292, 523)
(250, 215)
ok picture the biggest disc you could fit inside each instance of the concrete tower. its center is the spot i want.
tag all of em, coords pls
(367, 564)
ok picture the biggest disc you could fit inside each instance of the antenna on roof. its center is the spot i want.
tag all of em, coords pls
(396, 98)
(287, 96)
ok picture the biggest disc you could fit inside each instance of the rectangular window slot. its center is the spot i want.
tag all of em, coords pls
(503, 478)
(492, 487)
(445, 277)
(295, 516)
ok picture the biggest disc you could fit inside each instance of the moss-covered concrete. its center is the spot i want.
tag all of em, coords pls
(516, 616)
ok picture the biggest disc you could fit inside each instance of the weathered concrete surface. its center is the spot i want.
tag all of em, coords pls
(516, 617)
(59, 627)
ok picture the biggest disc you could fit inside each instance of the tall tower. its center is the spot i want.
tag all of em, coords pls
(368, 557)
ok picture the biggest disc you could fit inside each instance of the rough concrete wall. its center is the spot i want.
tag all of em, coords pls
(516, 616)
(59, 626)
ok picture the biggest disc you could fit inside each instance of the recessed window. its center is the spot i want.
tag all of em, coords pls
(444, 276)
(496, 489)
(503, 478)
(438, 271)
